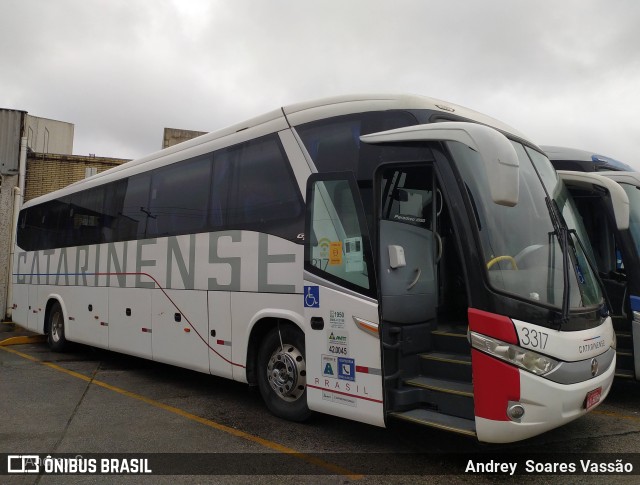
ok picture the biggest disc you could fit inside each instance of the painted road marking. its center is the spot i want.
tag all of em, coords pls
(23, 339)
(613, 414)
(338, 470)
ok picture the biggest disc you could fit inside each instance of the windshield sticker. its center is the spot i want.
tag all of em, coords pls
(354, 254)
(335, 253)
(323, 245)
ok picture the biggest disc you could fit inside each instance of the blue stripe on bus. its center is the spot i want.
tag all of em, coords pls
(635, 303)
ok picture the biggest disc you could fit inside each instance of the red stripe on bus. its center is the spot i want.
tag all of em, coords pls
(493, 325)
(495, 383)
(362, 369)
(175, 306)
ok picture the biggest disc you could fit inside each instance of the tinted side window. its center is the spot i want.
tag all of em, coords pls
(23, 232)
(45, 226)
(179, 198)
(264, 195)
(334, 143)
(136, 216)
(248, 186)
(113, 206)
(86, 216)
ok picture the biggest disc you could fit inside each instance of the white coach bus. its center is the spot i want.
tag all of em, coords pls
(616, 249)
(372, 257)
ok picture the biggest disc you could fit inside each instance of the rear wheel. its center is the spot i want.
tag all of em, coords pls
(282, 373)
(55, 324)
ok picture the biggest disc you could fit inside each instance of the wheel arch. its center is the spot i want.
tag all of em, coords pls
(51, 300)
(261, 326)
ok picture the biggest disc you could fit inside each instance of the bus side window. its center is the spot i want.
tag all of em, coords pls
(113, 202)
(221, 179)
(179, 195)
(264, 196)
(86, 216)
(135, 216)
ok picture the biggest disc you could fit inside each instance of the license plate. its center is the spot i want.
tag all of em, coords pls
(593, 398)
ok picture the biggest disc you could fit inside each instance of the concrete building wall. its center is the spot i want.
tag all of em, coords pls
(173, 136)
(49, 172)
(43, 135)
(6, 215)
(49, 136)
(11, 124)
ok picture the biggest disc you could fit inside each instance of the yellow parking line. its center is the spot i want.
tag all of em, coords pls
(613, 414)
(338, 470)
(22, 339)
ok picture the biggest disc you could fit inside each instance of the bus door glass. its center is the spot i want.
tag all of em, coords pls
(344, 376)
(408, 243)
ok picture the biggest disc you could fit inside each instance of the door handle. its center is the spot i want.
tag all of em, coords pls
(415, 281)
(317, 323)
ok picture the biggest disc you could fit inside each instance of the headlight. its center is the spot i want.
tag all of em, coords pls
(526, 359)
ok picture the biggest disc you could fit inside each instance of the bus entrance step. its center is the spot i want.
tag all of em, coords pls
(620, 323)
(445, 365)
(625, 373)
(451, 339)
(434, 419)
(625, 360)
(442, 385)
(624, 341)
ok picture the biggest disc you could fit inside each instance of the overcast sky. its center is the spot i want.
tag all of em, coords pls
(564, 72)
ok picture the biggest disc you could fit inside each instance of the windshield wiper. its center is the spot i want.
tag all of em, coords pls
(561, 233)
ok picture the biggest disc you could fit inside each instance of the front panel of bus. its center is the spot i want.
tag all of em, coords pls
(542, 328)
(449, 257)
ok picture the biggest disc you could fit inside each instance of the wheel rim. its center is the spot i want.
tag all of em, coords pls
(286, 373)
(56, 327)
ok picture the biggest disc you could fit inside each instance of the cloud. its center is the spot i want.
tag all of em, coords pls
(565, 73)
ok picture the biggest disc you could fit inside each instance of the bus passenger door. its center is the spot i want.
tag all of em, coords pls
(343, 365)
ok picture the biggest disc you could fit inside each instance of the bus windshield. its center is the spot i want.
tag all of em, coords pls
(633, 193)
(522, 249)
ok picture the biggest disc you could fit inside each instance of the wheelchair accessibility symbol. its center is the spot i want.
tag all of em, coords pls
(312, 296)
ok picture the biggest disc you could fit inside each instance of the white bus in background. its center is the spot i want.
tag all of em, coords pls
(338, 254)
(616, 249)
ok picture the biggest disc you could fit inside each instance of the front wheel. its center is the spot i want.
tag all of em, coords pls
(282, 373)
(55, 324)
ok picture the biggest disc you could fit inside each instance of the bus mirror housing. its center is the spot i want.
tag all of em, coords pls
(617, 195)
(496, 152)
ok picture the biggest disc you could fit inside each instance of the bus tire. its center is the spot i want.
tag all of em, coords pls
(55, 326)
(282, 374)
